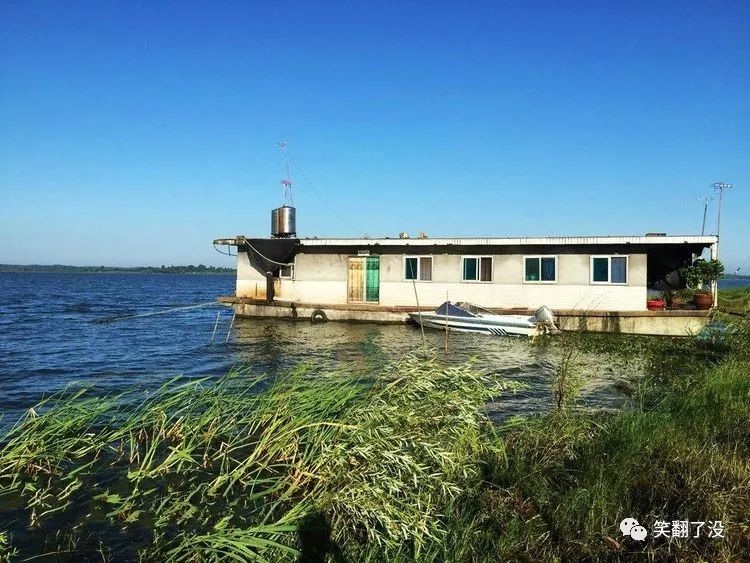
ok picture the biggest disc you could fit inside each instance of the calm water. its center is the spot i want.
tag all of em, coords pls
(48, 340)
(732, 283)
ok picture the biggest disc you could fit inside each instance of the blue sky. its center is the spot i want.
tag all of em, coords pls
(135, 133)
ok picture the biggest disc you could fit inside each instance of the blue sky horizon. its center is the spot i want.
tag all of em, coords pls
(136, 133)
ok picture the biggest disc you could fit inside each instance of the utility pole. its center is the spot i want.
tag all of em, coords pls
(720, 187)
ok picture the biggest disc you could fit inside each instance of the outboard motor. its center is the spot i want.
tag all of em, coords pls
(546, 318)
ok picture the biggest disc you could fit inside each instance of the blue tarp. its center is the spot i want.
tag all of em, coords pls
(452, 310)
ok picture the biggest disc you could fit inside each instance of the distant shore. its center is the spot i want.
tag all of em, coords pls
(62, 269)
(189, 269)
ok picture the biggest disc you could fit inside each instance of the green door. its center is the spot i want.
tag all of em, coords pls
(372, 289)
(364, 280)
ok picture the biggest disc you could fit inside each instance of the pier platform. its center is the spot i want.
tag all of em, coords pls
(681, 322)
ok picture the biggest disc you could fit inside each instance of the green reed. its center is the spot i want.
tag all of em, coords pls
(402, 466)
(210, 470)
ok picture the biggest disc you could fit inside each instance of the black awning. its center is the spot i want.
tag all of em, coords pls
(269, 255)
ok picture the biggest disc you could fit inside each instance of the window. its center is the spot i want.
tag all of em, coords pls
(540, 269)
(418, 268)
(287, 272)
(477, 268)
(609, 269)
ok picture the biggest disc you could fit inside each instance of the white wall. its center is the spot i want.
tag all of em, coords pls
(322, 279)
(250, 282)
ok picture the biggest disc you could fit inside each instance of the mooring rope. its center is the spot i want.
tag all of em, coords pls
(123, 317)
(224, 253)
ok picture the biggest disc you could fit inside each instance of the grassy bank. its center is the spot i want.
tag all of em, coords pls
(682, 453)
(735, 300)
(403, 466)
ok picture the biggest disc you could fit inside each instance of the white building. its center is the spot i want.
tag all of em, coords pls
(355, 278)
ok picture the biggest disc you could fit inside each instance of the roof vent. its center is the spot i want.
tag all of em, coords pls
(656, 234)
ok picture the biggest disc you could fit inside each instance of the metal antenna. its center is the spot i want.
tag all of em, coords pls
(705, 200)
(287, 180)
(720, 187)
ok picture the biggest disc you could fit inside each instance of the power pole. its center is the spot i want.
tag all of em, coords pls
(720, 187)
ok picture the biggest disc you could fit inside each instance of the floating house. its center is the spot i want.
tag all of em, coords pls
(592, 282)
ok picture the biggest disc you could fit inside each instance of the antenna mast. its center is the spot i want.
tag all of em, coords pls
(705, 200)
(286, 181)
(720, 187)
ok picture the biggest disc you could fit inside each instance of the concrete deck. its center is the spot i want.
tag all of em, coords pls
(682, 322)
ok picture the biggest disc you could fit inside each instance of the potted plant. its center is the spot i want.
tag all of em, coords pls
(700, 277)
(655, 302)
(674, 300)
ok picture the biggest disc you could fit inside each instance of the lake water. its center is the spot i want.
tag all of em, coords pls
(734, 282)
(49, 339)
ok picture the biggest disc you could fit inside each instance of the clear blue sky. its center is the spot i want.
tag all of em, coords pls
(137, 132)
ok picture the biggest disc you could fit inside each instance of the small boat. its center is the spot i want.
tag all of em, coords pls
(467, 317)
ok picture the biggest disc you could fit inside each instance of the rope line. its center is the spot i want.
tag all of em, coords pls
(123, 317)
(266, 257)
(727, 299)
(224, 253)
(323, 199)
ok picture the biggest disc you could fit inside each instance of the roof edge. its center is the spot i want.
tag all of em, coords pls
(494, 241)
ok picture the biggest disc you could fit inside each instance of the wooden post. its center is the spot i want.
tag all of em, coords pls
(419, 313)
(715, 284)
(269, 287)
(446, 325)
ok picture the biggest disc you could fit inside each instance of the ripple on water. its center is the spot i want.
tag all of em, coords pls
(48, 340)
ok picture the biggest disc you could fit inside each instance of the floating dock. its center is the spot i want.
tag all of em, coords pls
(681, 322)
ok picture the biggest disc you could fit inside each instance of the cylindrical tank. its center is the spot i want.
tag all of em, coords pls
(284, 222)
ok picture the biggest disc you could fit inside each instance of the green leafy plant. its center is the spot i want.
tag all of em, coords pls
(702, 274)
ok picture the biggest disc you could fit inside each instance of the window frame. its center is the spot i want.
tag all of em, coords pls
(609, 269)
(539, 257)
(291, 268)
(419, 267)
(478, 258)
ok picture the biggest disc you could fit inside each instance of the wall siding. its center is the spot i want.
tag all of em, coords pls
(321, 279)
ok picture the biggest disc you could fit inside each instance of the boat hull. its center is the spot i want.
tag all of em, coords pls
(500, 325)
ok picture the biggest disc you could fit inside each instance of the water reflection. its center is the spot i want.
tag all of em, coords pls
(273, 346)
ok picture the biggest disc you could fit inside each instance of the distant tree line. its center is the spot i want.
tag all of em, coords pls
(60, 268)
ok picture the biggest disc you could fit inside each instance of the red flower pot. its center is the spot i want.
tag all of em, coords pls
(655, 304)
(703, 301)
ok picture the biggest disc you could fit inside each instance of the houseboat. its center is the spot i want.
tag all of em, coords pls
(598, 283)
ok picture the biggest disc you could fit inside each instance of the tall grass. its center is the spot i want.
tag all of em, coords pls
(681, 452)
(210, 471)
(404, 466)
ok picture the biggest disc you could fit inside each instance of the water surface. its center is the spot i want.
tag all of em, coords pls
(49, 339)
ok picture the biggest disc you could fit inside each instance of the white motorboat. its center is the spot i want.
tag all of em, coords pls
(467, 317)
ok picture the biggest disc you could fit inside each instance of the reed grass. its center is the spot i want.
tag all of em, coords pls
(217, 470)
(681, 451)
(402, 466)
